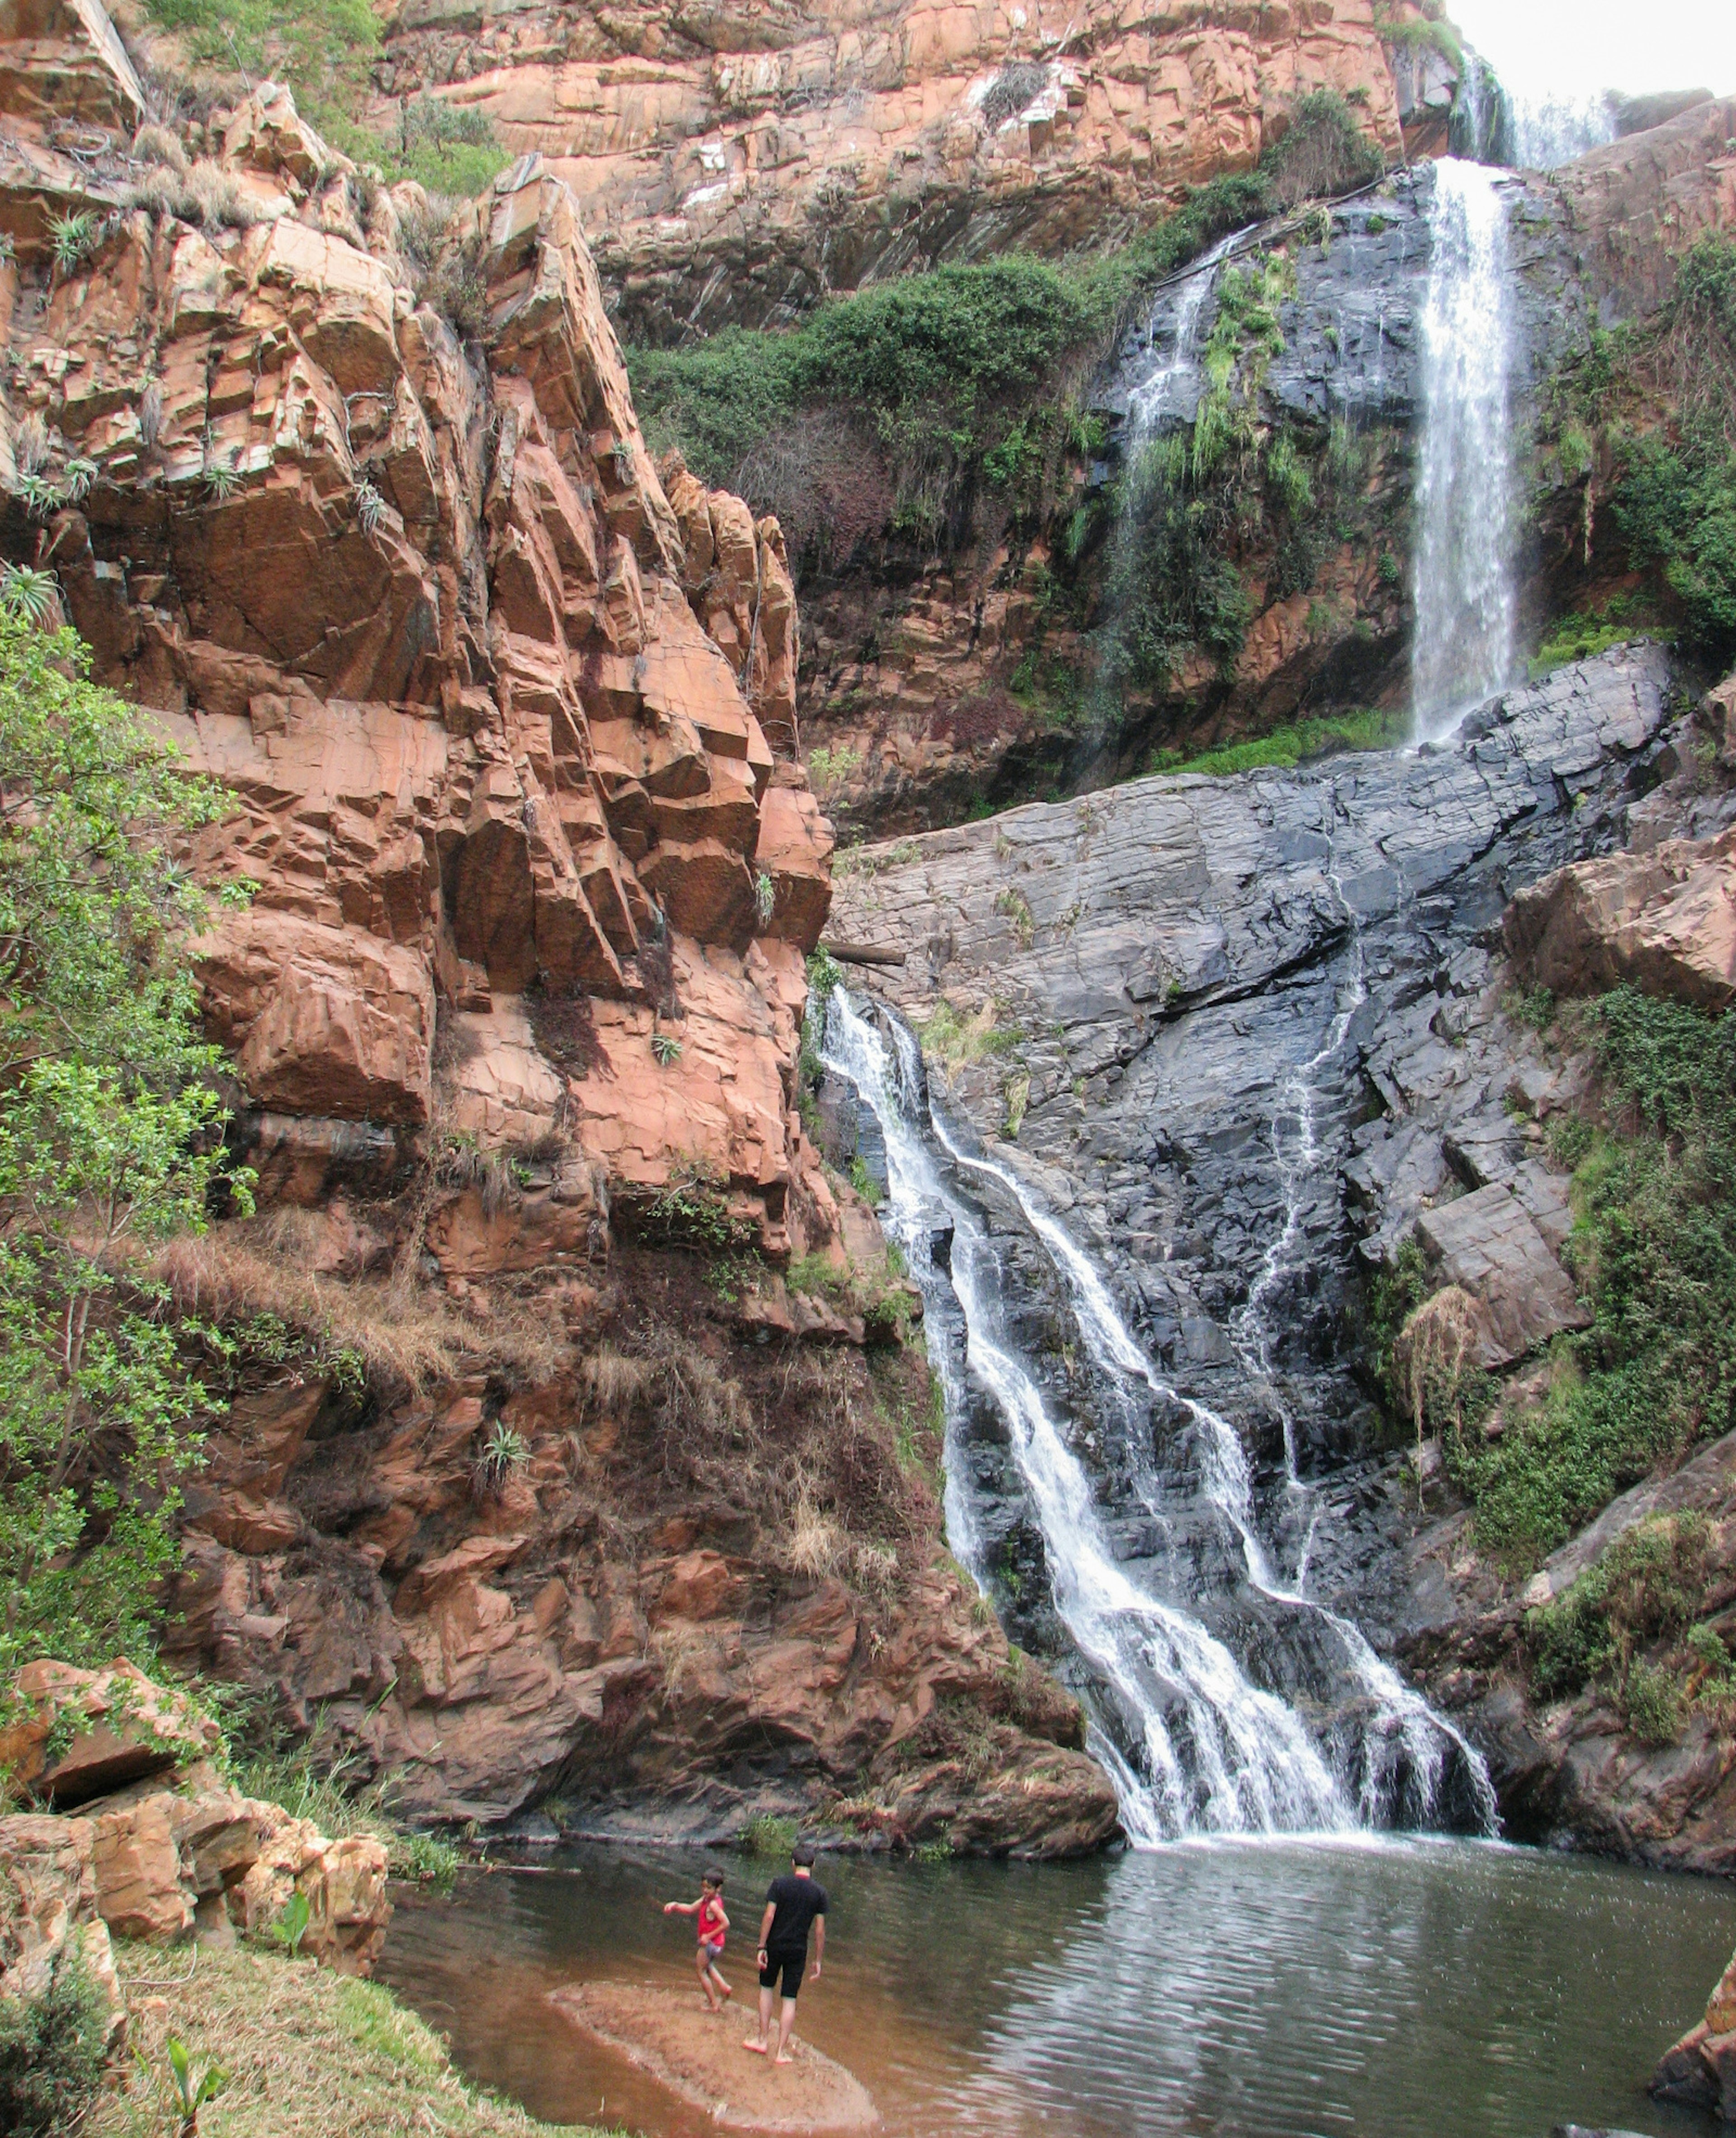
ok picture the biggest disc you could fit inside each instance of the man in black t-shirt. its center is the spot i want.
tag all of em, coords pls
(792, 1903)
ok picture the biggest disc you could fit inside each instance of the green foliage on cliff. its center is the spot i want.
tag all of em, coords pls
(954, 391)
(110, 1138)
(1649, 1585)
(1653, 1249)
(325, 51)
(1659, 401)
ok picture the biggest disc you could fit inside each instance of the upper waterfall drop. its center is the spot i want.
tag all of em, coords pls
(1466, 598)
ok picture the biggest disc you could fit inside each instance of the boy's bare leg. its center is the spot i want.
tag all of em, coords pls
(705, 1977)
(723, 1988)
(759, 2047)
(787, 2027)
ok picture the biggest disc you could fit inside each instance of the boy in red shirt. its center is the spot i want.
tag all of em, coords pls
(711, 1926)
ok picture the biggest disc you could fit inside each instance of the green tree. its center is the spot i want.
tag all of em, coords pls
(110, 1138)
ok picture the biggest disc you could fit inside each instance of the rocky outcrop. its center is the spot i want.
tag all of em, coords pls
(737, 166)
(425, 612)
(620, 1633)
(1664, 921)
(156, 1859)
(1700, 2070)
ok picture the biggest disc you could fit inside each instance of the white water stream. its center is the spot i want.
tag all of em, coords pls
(1220, 1755)
(1548, 131)
(1466, 601)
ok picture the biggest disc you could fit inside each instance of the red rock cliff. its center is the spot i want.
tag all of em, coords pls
(525, 875)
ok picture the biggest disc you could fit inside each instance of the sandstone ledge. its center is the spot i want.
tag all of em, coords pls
(700, 2059)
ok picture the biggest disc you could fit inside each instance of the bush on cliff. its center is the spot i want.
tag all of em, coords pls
(110, 1136)
(1662, 401)
(1654, 1248)
(961, 383)
(325, 49)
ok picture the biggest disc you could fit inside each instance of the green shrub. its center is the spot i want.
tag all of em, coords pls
(51, 2053)
(768, 1835)
(1657, 395)
(1649, 1585)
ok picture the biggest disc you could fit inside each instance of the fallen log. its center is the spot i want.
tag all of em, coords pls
(863, 954)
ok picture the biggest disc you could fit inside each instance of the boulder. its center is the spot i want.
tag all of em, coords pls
(79, 1733)
(325, 1020)
(1699, 2071)
(1489, 1246)
(1663, 921)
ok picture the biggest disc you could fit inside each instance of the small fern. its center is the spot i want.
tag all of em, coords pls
(765, 896)
(81, 474)
(666, 1048)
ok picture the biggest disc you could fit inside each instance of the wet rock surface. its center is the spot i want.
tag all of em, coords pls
(1264, 1029)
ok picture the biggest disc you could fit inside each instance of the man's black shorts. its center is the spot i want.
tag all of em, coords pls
(789, 1964)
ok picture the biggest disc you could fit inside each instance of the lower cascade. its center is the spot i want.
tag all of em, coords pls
(1194, 1742)
(1465, 595)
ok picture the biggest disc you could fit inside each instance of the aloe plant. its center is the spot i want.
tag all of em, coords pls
(28, 592)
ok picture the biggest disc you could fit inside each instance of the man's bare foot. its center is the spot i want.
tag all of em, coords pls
(758, 2048)
(781, 2059)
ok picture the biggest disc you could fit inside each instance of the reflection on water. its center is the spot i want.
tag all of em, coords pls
(1277, 1989)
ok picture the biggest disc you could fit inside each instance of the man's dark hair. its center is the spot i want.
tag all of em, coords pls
(802, 1855)
(711, 1878)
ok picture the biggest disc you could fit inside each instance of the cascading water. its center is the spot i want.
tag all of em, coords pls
(1465, 597)
(1548, 131)
(1201, 1748)
(1161, 392)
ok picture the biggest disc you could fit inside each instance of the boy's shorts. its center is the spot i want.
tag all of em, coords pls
(712, 1948)
(790, 1965)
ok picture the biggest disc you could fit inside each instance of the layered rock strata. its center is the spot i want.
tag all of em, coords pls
(737, 166)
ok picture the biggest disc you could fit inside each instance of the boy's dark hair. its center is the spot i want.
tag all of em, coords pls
(803, 1854)
(711, 1878)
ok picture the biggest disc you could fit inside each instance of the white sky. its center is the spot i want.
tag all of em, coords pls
(1573, 48)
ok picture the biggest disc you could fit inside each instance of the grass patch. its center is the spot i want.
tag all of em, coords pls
(404, 1336)
(1292, 745)
(1578, 637)
(308, 2054)
(956, 1039)
(768, 1835)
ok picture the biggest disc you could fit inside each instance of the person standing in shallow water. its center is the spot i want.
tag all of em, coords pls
(793, 1903)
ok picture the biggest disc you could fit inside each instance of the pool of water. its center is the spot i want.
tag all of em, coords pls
(1277, 1989)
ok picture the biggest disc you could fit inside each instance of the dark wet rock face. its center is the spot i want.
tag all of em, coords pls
(1262, 1023)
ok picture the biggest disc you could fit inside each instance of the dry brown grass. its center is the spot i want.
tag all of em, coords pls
(1433, 1350)
(406, 1335)
(308, 2055)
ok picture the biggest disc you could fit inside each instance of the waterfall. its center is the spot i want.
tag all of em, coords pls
(1159, 392)
(1211, 1751)
(1548, 131)
(1465, 597)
